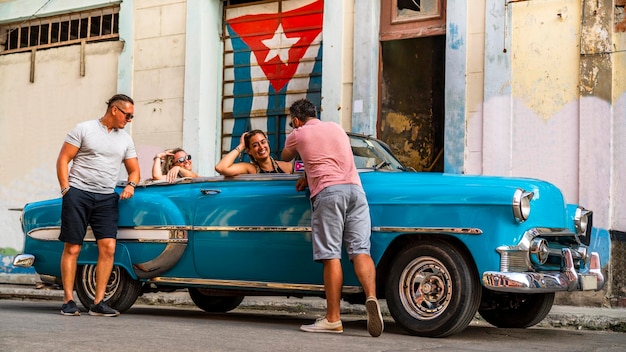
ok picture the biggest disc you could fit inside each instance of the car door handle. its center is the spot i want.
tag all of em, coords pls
(210, 192)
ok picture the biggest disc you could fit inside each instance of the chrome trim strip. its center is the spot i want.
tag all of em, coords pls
(175, 238)
(444, 230)
(251, 284)
(525, 242)
(159, 227)
(255, 228)
(213, 179)
(164, 262)
(156, 234)
(522, 249)
(549, 231)
(123, 232)
(532, 282)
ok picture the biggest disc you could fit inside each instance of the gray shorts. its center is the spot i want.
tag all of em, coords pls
(340, 215)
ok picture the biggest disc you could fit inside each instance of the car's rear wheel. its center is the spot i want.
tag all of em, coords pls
(121, 291)
(432, 290)
(519, 310)
(214, 304)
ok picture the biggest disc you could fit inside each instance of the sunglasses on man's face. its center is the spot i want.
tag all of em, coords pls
(182, 159)
(127, 115)
(291, 124)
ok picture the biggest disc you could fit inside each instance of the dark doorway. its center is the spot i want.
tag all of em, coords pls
(412, 100)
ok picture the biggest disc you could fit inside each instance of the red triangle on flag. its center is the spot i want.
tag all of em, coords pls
(280, 40)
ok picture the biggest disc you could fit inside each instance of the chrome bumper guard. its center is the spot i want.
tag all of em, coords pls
(565, 280)
(24, 260)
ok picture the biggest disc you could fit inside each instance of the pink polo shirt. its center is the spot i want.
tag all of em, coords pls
(325, 149)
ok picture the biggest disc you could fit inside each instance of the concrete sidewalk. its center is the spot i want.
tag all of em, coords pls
(588, 318)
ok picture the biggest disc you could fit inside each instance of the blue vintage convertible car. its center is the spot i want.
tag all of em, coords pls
(445, 246)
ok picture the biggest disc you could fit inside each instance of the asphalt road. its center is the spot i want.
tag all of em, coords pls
(35, 325)
(576, 317)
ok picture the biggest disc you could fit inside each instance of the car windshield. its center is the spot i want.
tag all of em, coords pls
(372, 154)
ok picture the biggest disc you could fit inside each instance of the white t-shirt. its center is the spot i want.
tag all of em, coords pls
(96, 166)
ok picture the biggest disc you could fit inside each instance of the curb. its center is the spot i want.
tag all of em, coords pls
(181, 298)
(578, 318)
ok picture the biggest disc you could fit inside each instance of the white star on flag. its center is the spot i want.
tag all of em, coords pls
(279, 45)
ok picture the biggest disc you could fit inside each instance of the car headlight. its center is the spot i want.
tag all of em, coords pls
(521, 204)
(581, 220)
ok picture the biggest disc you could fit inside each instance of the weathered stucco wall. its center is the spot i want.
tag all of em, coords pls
(158, 73)
(618, 170)
(544, 89)
(35, 117)
(618, 185)
(537, 120)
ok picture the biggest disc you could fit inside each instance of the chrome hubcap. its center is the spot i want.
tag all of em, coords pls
(425, 288)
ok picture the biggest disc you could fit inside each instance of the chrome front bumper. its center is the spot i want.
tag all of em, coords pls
(565, 280)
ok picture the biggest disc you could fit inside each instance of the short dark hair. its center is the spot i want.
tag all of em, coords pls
(119, 97)
(303, 110)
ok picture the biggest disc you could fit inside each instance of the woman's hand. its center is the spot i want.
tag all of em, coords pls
(172, 175)
(242, 142)
(163, 154)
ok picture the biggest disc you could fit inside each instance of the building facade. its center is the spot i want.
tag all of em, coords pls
(530, 88)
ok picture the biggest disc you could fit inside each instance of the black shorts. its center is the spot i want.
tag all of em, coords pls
(81, 208)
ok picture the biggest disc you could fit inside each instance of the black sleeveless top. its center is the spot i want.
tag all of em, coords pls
(276, 170)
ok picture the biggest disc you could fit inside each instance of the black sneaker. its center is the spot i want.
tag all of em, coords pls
(70, 308)
(102, 309)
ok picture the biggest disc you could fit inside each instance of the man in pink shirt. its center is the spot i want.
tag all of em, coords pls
(340, 212)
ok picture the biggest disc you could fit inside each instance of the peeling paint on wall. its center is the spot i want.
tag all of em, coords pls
(455, 41)
(410, 138)
(595, 36)
(596, 71)
(620, 18)
(545, 54)
(412, 113)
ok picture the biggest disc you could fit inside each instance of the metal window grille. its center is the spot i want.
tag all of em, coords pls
(93, 25)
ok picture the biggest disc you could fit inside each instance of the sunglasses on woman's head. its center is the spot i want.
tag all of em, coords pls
(183, 158)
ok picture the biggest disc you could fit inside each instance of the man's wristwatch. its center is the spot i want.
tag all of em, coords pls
(132, 184)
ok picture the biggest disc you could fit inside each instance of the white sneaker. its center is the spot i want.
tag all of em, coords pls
(322, 325)
(375, 324)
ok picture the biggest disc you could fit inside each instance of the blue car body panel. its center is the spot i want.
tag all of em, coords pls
(256, 228)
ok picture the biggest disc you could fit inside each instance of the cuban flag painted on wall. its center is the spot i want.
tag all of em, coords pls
(273, 57)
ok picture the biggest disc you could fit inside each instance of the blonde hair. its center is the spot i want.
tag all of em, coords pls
(169, 161)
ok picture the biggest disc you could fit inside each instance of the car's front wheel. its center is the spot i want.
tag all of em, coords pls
(432, 289)
(517, 311)
(213, 304)
(121, 291)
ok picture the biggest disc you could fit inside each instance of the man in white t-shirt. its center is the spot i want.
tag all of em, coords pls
(97, 149)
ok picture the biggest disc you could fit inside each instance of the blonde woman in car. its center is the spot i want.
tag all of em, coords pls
(172, 164)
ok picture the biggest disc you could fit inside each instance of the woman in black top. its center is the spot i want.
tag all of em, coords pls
(258, 149)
